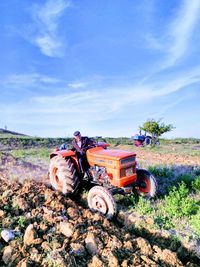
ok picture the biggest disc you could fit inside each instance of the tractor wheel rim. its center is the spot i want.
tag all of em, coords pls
(99, 204)
(145, 186)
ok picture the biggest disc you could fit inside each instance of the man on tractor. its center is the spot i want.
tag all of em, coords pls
(105, 172)
(81, 144)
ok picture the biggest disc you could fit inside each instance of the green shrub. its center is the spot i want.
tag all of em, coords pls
(164, 222)
(178, 203)
(22, 221)
(195, 223)
(144, 206)
(196, 184)
(197, 171)
(187, 178)
(165, 172)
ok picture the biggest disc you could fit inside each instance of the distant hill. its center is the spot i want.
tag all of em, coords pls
(3, 131)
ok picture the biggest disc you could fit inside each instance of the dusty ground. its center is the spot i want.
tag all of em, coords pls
(19, 170)
(52, 230)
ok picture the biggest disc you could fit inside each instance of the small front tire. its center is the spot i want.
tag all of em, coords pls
(101, 200)
(146, 183)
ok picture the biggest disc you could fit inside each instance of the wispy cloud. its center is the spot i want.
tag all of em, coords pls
(111, 99)
(27, 80)
(181, 30)
(46, 20)
(77, 85)
(175, 38)
(85, 106)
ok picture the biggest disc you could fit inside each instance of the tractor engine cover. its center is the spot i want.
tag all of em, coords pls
(120, 165)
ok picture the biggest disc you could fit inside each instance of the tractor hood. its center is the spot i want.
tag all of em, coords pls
(103, 157)
(110, 153)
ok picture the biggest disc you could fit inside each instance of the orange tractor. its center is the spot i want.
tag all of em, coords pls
(111, 172)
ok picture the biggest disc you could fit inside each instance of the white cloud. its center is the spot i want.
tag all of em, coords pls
(26, 80)
(181, 30)
(49, 46)
(77, 85)
(175, 40)
(86, 107)
(46, 22)
(94, 103)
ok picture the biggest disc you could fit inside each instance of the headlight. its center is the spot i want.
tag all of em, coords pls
(129, 171)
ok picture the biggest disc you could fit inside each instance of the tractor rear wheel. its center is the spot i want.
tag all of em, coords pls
(63, 175)
(146, 183)
(101, 200)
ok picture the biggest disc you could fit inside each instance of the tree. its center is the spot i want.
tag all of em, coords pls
(155, 129)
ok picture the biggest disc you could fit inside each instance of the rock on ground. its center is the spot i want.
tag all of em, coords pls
(56, 231)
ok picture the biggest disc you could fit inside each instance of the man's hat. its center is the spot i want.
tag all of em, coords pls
(77, 133)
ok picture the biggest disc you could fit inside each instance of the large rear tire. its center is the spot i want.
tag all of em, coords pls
(146, 184)
(63, 175)
(101, 200)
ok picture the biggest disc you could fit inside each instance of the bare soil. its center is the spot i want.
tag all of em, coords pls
(173, 157)
(53, 230)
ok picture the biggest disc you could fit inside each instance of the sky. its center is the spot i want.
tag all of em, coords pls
(101, 67)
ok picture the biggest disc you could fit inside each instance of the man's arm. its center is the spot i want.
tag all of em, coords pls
(87, 143)
(76, 147)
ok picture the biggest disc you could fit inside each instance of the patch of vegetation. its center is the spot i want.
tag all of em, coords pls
(21, 221)
(143, 206)
(178, 203)
(187, 178)
(164, 222)
(196, 184)
(24, 153)
(28, 142)
(158, 171)
(195, 223)
(180, 141)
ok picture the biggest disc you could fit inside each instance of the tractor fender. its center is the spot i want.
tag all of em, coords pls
(63, 153)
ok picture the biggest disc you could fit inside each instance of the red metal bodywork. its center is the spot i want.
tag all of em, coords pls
(120, 174)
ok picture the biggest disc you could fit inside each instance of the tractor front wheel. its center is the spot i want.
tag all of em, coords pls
(63, 175)
(146, 183)
(101, 200)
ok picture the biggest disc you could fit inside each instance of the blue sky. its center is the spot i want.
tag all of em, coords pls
(101, 67)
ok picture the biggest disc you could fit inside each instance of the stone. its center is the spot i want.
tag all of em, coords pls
(150, 221)
(2, 213)
(29, 235)
(46, 246)
(23, 263)
(72, 213)
(96, 262)
(7, 254)
(112, 260)
(7, 235)
(19, 202)
(91, 244)
(66, 228)
(148, 260)
(124, 263)
(144, 246)
(77, 250)
(128, 245)
(170, 258)
(114, 243)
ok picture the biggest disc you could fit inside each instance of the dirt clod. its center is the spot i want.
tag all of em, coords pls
(67, 229)
(57, 231)
(7, 253)
(30, 235)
